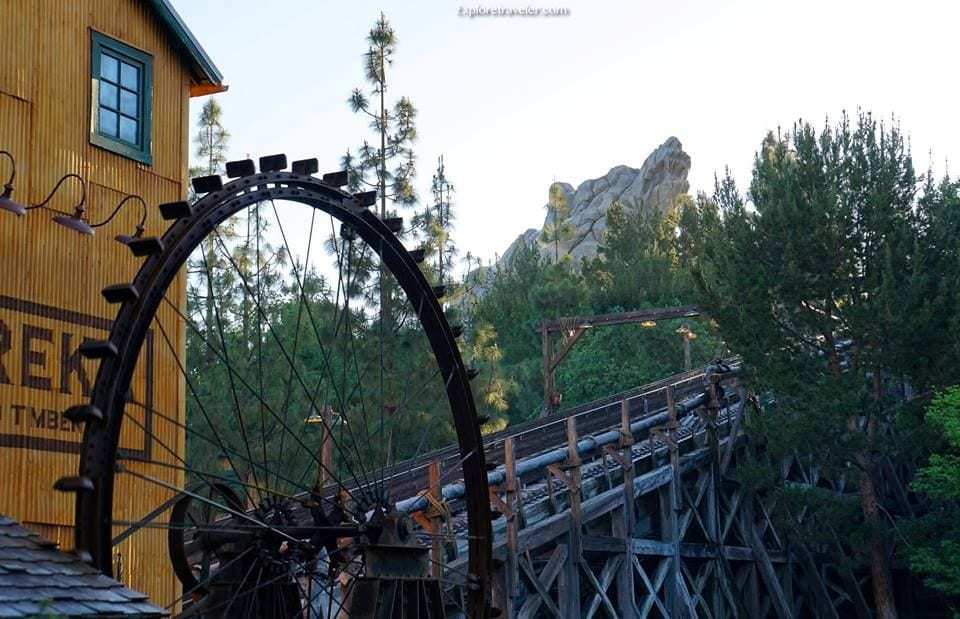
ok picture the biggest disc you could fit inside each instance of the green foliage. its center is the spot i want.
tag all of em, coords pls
(435, 223)
(211, 140)
(834, 251)
(557, 228)
(394, 128)
(934, 551)
(637, 267)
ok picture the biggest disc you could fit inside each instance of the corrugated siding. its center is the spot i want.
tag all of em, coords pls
(45, 111)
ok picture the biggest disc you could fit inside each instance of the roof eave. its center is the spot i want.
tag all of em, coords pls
(207, 77)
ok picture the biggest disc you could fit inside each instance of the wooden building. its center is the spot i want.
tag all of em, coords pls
(100, 89)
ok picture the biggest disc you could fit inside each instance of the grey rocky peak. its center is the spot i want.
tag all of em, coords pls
(655, 186)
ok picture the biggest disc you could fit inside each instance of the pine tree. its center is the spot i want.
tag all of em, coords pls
(389, 166)
(823, 283)
(211, 140)
(395, 128)
(440, 223)
(211, 143)
(558, 228)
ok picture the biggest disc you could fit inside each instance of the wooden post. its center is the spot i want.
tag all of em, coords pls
(712, 519)
(326, 447)
(436, 520)
(513, 524)
(570, 589)
(548, 388)
(624, 526)
(671, 526)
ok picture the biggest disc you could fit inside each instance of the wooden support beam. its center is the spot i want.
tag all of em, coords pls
(815, 583)
(711, 519)
(542, 583)
(625, 522)
(512, 563)
(570, 338)
(325, 455)
(738, 413)
(653, 587)
(548, 387)
(658, 548)
(619, 318)
(573, 328)
(769, 576)
(600, 586)
(570, 589)
(436, 520)
(671, 511)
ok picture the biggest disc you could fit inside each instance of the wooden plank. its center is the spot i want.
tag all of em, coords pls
(436, 541)
(814, 582)
(570, 591)
(769, 576)
(600, 543)
(511, 489)
(545, 580)
(670, 508)
(665, 313)
(652, 587)
(547, 354)
(600, 587)
(624, 525)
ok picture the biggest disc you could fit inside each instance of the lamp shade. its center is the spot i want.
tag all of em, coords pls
(8, 204)
(74, 223)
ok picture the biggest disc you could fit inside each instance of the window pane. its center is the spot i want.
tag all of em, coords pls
(108, 95)
(128, 129)
(128, 102)
(108, 122)
(109, 67)
(129, 76)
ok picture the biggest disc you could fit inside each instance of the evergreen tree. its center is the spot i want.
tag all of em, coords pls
(388, 165)
(557, 229)
(437, 223)
(211, 140)
(823, 284)
(207, 269)
(934, 549)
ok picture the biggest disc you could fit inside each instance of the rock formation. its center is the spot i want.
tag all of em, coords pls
(661, 178)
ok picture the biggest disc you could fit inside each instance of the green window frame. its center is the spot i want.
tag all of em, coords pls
(121, 106)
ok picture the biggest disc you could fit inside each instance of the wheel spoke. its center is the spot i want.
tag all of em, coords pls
(253, 392)
(247, 528)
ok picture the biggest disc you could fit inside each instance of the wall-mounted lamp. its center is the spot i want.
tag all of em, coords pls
(6, 202)
(77, 222)
(73, 221)
(126, 239)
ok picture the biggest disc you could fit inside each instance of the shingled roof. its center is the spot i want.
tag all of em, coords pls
(36, 579)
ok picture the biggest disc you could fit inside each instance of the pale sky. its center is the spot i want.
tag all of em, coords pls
(514, 103)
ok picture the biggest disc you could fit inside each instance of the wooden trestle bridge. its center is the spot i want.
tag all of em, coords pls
(628, 507)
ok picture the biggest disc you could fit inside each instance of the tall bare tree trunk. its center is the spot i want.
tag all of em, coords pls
(879, 570)
(879, 566)
(880, 579)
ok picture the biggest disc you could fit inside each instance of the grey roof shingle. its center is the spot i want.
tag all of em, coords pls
(35, 578)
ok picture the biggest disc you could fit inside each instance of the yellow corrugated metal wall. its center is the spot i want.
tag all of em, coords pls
(51, 277)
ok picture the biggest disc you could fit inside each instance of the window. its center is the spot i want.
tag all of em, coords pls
(122, 89)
